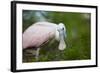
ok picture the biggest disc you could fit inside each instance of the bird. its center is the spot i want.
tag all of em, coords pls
(41, 32)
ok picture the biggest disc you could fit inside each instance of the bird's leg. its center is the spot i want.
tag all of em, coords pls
(37, 54)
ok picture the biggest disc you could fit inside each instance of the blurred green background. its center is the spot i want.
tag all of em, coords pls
(78, 31)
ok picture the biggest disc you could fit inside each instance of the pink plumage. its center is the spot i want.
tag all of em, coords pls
(38, 33)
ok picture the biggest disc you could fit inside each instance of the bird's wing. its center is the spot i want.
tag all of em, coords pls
(36, 35)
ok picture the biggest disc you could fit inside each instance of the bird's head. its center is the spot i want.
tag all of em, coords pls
(62, 35)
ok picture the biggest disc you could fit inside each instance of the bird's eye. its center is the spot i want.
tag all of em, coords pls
(62, 28)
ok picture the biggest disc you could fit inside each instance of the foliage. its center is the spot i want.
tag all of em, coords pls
(78, 35)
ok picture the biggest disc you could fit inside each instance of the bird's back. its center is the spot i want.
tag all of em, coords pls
(38, 33)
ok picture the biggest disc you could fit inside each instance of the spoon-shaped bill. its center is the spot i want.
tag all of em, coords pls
(62, 44)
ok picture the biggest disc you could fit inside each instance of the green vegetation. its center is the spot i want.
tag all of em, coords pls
(78, 39)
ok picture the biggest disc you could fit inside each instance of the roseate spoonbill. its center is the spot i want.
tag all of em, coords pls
(38, 33)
